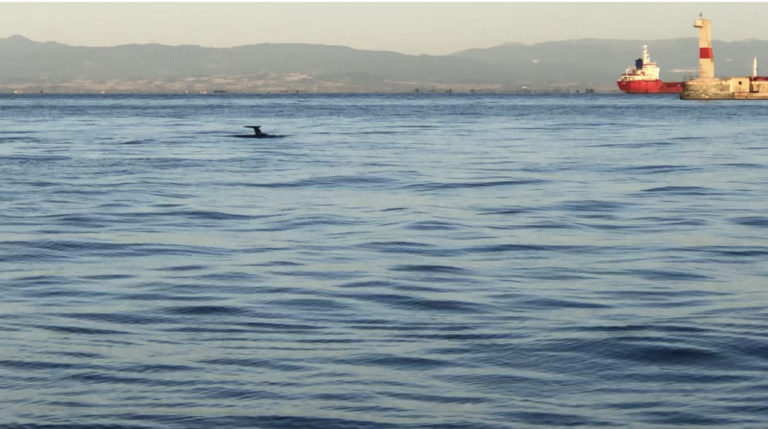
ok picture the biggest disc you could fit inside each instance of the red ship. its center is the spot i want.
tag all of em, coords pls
(644, 78)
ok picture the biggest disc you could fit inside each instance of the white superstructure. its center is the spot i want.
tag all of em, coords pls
(644, 69)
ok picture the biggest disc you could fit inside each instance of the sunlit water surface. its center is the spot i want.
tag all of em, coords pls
(419, 261)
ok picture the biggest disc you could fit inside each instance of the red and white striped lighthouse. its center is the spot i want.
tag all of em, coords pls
(706, 58)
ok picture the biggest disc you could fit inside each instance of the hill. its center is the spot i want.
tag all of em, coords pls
(565, 65)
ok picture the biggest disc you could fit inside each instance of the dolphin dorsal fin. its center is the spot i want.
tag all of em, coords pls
(256, 128)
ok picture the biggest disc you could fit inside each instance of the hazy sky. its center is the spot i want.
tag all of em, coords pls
(413, 28)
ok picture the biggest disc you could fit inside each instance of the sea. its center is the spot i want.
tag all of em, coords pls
(439, 261)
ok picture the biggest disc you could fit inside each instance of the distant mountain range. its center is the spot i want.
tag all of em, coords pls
(571, 65)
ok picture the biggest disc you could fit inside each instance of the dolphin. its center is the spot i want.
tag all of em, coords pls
(257, 134)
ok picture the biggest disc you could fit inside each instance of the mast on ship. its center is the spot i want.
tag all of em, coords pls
(646, 57)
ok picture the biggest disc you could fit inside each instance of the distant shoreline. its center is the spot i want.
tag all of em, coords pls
(273, 93)
(557, 67)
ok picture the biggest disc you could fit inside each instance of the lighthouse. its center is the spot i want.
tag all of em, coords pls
(708, 87)
(706, 59)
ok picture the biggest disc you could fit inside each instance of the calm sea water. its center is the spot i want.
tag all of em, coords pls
(398, 261)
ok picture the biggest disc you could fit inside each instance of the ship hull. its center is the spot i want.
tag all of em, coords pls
(650, 87)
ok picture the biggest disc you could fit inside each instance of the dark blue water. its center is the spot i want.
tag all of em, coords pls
(433, 261)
